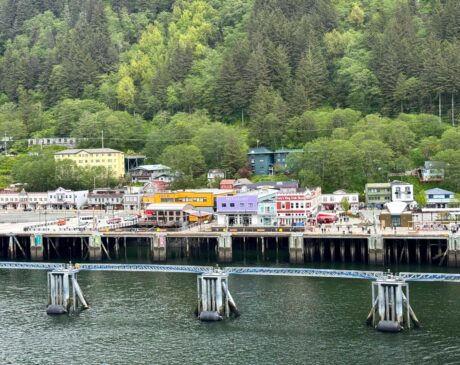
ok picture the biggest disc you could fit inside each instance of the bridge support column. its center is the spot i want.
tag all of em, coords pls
(391, 310)
(375, 249)
(95, 248)
(296, 248)
(224, 248)
(214, 299)
(36, 247)
(64, 292)
(453, 246)
(158, 247)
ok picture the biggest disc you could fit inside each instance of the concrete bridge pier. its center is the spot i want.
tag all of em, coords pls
(36, 247)
(453, 250)
(214, 299)
(391, 310)
(375, 249)
(224, 248)
(64, 292)
(296, 248)
(95, 248)
(158, 247)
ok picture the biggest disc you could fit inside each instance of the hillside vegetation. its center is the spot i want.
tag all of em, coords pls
(366, 87)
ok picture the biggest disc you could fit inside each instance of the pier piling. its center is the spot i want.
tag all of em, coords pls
(375, 249)
(36, 247)
(158, 247)
(296, 248)
(95, 248)
(224, 248)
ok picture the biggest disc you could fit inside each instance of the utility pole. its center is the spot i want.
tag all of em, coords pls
(102, 138)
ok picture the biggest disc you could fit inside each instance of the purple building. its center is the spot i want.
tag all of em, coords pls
(237, 210)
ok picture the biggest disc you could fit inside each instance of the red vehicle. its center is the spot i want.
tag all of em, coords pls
(326, 218)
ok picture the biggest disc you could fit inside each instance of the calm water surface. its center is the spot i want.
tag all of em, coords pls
(139, 318)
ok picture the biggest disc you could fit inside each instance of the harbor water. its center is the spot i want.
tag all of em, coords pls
(148, 318)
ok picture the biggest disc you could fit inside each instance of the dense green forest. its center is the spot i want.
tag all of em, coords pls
(366, 87)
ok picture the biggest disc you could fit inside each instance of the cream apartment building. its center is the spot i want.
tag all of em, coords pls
(111, 159)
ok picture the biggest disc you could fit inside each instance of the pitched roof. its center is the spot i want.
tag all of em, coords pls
(398, 182)
(87, 150)
(439, 191)
(152, 167)
(169, 206)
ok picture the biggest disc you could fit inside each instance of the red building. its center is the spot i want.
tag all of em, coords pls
(227, 184)
(297, 208)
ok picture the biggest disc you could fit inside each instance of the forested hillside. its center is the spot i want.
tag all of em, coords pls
(366, 87)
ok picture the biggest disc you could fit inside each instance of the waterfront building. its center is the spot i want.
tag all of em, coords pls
(297, 208)
(266, 207)
(22, 200)
(333, 201)
(396, 214)
(203, 199)
(402, 192)
(377, 194)
(132, 198)
(163, 213)
(66, 199)
(237, 210)
(439, 198)
(109, 199)
(112, 160)
(53, 141)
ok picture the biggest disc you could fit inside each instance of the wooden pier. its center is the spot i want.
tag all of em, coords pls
(295, 247)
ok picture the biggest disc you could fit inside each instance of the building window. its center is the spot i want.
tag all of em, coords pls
(232, 205)
(224, 205)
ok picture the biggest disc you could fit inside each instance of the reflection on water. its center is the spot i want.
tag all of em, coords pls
(140, 318)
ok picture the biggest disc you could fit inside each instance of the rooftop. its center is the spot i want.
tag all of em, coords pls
(438, 191)
(166, 206)
(378, 185)
(157, 167)
(259, 150)
(87, 150)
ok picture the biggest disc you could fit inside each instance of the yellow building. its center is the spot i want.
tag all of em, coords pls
(111, 159)
(200, 198)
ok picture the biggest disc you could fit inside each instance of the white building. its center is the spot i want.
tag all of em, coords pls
(402, 192)
(439, 198)
(66, 199)
(216, 174)
(22, 200)
(53, 141)
(333, 201)
(132, 200)
(146, 173)
(110, 199)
